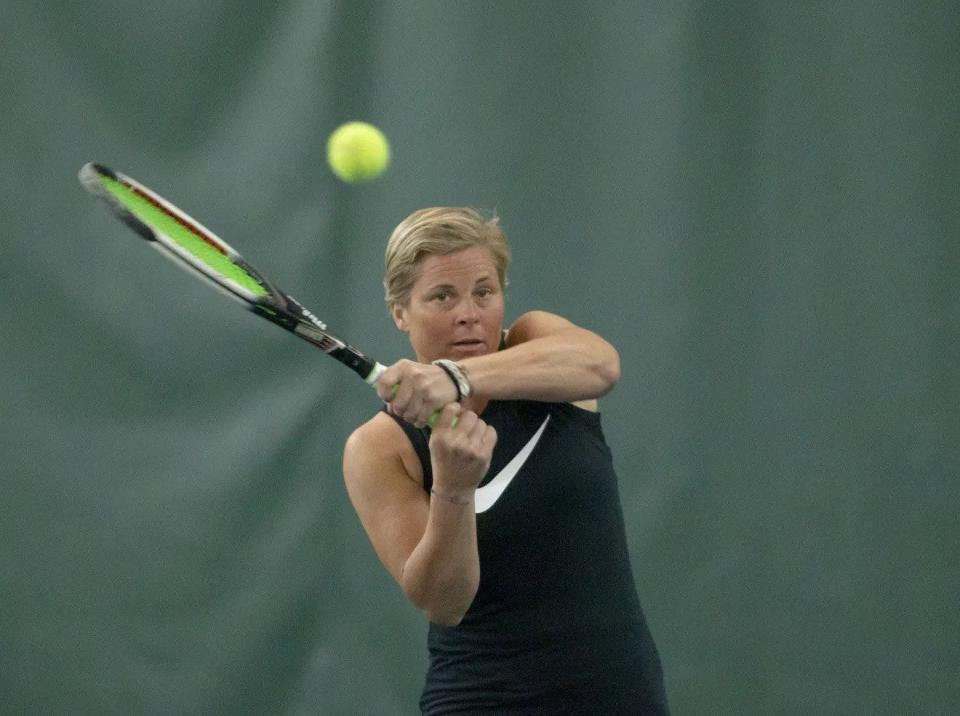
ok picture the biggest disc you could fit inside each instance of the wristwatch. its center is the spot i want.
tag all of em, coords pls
(458, 375)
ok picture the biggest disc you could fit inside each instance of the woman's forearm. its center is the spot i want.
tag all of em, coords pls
(442, 574)
(570, 364)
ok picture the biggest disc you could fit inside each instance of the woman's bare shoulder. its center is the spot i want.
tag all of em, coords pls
(378, 447)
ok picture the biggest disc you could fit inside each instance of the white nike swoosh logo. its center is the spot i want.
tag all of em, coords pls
(487, 495)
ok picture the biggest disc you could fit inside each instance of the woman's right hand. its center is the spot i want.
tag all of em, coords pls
(461, 447)
(415, 391)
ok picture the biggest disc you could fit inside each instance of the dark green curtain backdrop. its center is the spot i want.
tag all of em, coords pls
(755, 201)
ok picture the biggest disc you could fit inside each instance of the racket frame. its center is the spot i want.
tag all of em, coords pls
(274, 304)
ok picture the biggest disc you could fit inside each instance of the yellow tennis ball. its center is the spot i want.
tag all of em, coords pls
(358, 152)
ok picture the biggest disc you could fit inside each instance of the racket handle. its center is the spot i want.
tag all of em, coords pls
(432, 420)
(375, 373)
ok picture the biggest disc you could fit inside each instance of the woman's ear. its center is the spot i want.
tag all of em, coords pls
(399, 314)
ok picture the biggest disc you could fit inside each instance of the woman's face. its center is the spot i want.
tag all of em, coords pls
(455, 309)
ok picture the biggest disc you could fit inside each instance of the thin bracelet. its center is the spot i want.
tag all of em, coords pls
(446, 498)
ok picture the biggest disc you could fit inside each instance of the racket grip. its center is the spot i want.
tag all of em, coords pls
(374, 374)
(432, 420)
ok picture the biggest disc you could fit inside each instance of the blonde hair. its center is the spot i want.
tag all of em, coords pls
(438, 231)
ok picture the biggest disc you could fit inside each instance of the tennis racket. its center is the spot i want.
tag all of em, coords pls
(192, 246)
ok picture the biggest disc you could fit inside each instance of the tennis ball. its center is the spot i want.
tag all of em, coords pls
(358, 152)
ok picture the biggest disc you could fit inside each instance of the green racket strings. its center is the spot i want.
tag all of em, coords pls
(159, 220)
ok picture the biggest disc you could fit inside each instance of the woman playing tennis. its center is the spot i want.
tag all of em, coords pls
(502, 522)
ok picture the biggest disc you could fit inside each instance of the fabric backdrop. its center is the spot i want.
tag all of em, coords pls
(756, 202)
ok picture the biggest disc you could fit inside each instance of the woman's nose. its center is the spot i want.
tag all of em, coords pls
(468, 313)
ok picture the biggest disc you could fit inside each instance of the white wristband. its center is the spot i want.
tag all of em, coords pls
(458, 375)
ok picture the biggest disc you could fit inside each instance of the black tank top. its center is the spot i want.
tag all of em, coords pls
(556, 625)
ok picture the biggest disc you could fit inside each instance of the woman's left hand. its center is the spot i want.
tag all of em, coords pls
(415, 391)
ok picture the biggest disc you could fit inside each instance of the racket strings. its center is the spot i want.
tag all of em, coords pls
(189, 238)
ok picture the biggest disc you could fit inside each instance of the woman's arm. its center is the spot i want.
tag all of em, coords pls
(429, 545)
(546, 358)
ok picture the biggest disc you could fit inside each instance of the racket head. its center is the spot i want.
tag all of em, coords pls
(179, 236)
(192, 246)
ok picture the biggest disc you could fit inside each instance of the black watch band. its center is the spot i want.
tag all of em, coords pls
(458, 375)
